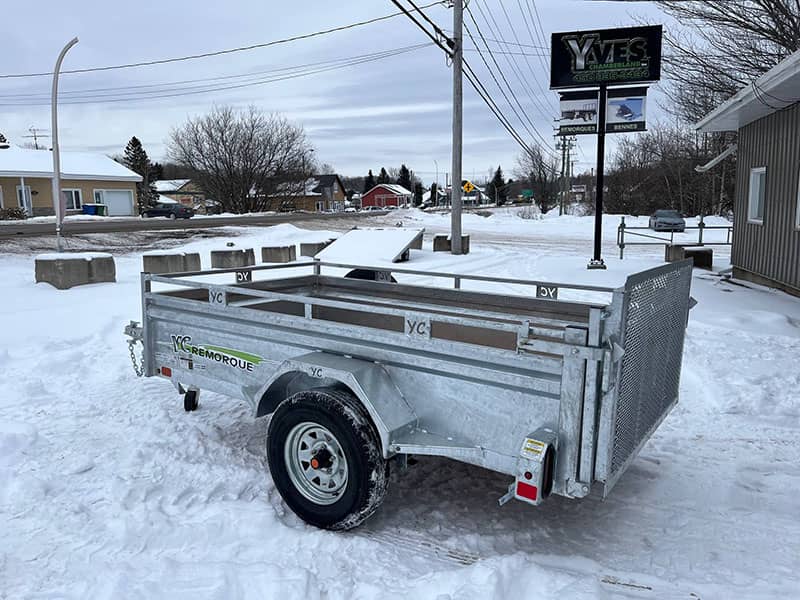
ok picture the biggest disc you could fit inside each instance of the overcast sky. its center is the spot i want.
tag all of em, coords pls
(366, 116)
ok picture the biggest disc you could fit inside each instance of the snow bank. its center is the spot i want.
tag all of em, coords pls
(109, 490)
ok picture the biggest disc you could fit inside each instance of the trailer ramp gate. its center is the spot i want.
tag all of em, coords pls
(653, 326)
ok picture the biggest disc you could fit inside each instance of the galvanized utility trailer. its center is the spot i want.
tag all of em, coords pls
(560, 395)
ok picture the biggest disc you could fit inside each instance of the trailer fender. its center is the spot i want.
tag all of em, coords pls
(368, 381)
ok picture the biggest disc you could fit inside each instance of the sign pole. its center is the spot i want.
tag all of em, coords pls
(597, 261)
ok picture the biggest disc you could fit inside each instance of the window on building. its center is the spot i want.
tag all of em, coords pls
(755, 197)
(72, 198)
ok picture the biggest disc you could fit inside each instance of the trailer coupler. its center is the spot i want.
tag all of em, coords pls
(535, 469)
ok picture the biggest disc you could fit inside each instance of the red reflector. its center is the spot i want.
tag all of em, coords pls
(166, 371)
(526, 490)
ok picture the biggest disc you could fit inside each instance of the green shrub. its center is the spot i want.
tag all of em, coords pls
(12, 214)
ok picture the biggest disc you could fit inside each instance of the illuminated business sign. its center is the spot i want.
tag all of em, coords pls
(605, 57)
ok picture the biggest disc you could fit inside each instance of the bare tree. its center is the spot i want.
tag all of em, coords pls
(656, 170)
(248, 161)
(540, 172)
(726, 45)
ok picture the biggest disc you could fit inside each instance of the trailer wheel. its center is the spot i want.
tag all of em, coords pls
(325, 459)
(190, 401)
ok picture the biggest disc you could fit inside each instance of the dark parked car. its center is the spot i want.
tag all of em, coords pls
(172, 210)
(667, 220)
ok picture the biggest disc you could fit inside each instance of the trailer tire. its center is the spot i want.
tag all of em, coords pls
(331, 424)
(190, 401)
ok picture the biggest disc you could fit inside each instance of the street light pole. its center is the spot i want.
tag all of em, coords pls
(58, 202)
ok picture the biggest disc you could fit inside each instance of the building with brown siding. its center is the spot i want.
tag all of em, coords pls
(766, 229)
(320, 193)
(26, 180)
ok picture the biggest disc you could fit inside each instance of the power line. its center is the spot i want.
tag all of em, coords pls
(514, 64)
(168, 86)
(156, 94)
(516, 37)
(220, 52)
(532, 130)
(472, 78)
(543, 38)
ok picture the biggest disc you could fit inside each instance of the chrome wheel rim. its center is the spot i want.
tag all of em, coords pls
(315, 463)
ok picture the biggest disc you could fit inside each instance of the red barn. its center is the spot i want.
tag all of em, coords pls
(387, 194)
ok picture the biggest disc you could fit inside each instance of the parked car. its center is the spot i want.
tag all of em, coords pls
(170, 210)
(667, 220)
(372, 208)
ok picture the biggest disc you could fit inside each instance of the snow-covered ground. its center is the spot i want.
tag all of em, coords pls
(109, 490)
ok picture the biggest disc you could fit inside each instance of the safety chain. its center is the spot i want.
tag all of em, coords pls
(138, 367)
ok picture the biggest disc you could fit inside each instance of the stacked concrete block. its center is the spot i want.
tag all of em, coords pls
(278, 254)
(311, 249)
(231, 259)
(170, 262)
(67, 270)
(442, 243)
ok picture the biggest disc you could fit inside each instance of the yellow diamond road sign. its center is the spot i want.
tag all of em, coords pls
(468, 187)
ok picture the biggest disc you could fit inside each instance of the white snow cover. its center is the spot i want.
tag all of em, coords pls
(170, 185)
(16, 162)
(109, 490)
(73, 255)
(380, 244)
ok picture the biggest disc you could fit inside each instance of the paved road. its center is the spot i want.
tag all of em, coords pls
(9, 230)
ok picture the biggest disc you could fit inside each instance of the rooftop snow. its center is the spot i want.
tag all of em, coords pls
(24, 162)
(170, 185)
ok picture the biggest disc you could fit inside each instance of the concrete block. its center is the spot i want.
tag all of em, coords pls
(311, 249)
(278, 254)
(67, 270)
(170, 262)
(102, 269)
(703, 258)
(442, 243)
(465, 244)
(231, 259)
(191, 261)
(673, 252)
(163, 262)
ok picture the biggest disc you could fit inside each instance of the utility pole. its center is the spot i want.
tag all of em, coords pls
(58, 201)
(458, 106)
(35, 134)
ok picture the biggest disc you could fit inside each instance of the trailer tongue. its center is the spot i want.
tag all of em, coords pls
(559, 394)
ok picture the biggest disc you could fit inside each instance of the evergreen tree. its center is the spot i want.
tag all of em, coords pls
(434, 199)
(383, 176)
(418, 191)
(136, 159)
(404, 178)
(369, 182)
(496, 189)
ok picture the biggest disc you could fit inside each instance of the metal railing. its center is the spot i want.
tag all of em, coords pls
(700, 228)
